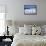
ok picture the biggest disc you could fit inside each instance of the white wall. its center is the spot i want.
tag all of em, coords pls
(15, 9)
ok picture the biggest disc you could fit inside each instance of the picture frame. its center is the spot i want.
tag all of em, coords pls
(30, 9)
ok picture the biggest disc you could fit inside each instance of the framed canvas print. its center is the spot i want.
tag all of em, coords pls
(30, 9)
